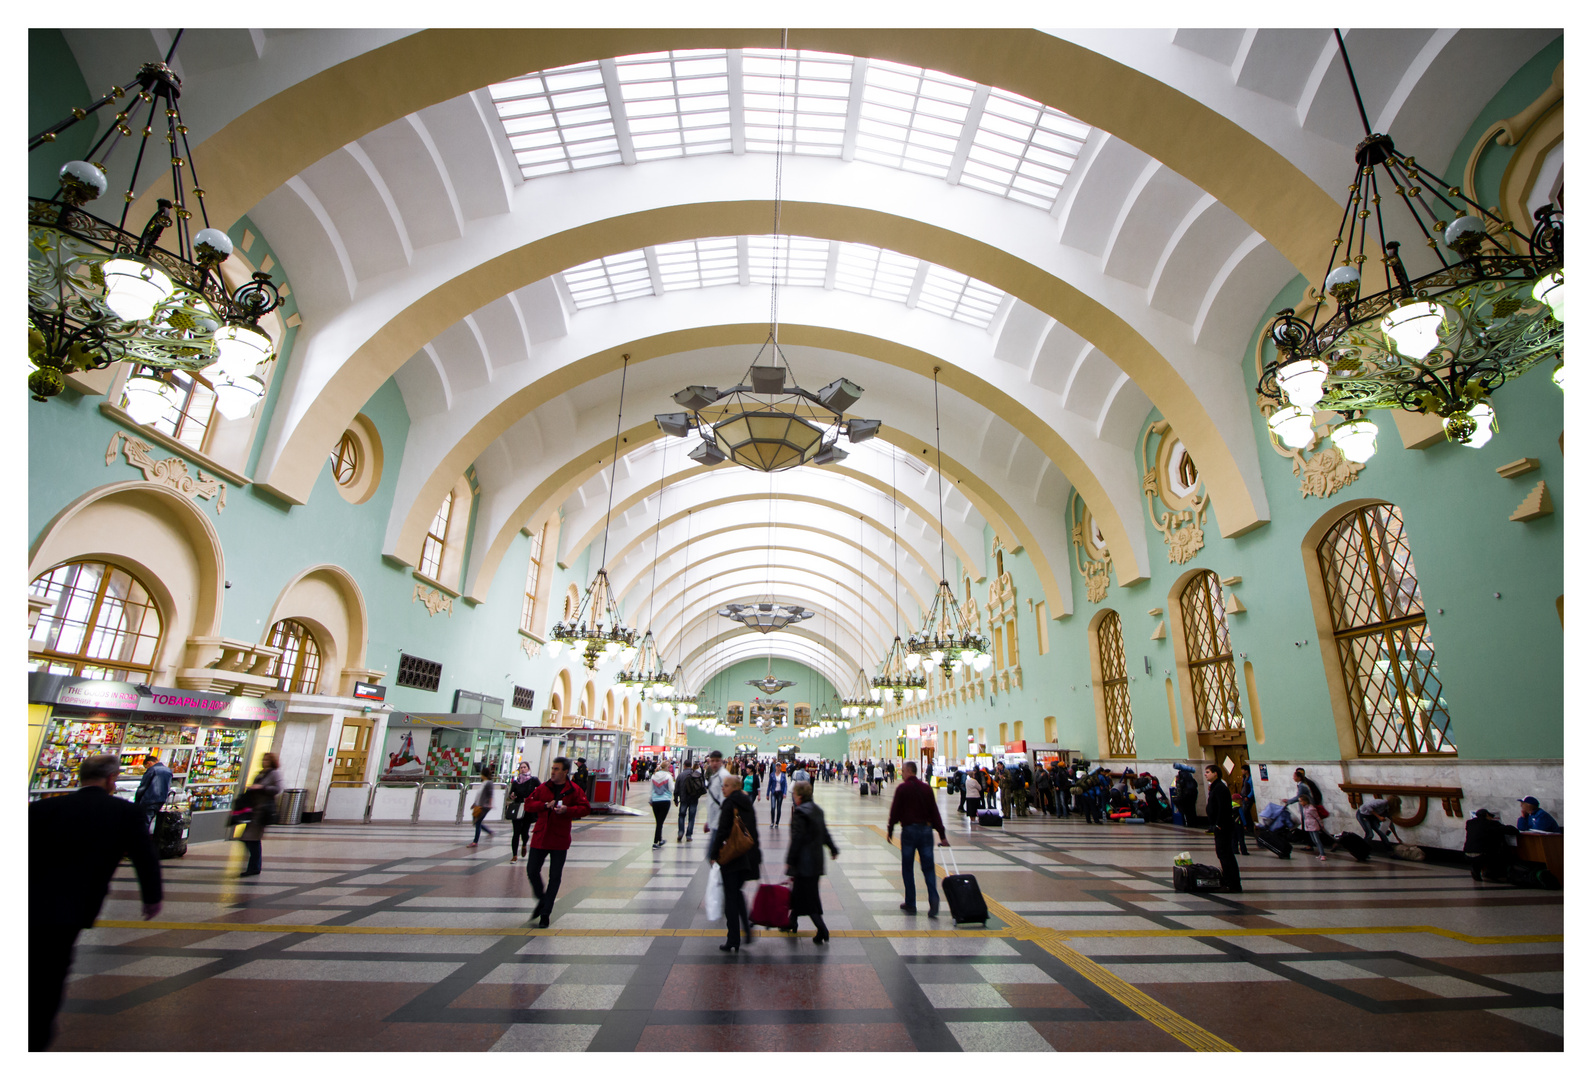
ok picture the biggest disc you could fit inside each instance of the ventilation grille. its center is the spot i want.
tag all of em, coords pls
(523, 698)
(418, 673)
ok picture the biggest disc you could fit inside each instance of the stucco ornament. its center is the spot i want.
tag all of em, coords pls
(1173, 481)
(433, 600)
(1326, 472)
(1089, 550)
(172, 472)
(531, 649)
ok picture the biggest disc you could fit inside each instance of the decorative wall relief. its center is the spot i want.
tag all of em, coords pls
(1089, 549)
(531, 649)
(1173, 480)
(171, 472)
(433, 600)
(1326, 472)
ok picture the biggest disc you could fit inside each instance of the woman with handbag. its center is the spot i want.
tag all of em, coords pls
(735, 848)
(662, 796)
(804, 861)
(519, 790)
(482, 805)
(261, 795)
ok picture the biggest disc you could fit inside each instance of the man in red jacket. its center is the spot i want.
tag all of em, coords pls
(555, 804)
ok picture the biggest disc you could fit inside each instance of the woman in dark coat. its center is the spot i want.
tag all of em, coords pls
(261, 792)
(804, 862)
(742, 868)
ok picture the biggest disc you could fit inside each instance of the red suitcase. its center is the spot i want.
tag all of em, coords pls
(771, 906)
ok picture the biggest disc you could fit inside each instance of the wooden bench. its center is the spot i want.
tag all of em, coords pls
(1449, 795)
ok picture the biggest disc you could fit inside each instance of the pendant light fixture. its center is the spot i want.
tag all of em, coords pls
(948, 637)
(596, 630)
(645, 671)
(896, 677)
(1438, 343)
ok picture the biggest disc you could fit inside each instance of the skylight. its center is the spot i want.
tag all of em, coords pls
(713, 101)
(797, 261)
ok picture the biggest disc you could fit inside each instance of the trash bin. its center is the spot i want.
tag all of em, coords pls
(290, 806)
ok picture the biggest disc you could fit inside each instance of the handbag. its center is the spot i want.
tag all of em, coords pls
(477, 813)
(738, 843)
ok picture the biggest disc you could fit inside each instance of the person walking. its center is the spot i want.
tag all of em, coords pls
(737, 816)
(914, 809)
(556, 805)
(519, 790)
(804, 860)
(973, 794)
(75, 842)
(262, 792)
(482, 806)
(778, 786)
(153, 787)
(714, 783)
(1219, 809)
(662, 796)
(688, 791)
(1314, 826)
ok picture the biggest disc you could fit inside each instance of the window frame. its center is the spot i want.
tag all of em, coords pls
(535, 581)
(116, 670)
(1110, 671)
(1205, 587)
(434, 546)
(305, 653)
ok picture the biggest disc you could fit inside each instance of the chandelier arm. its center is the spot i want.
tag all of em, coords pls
(132, 183)
(1404, 193)
(48, 134)
(613, 468)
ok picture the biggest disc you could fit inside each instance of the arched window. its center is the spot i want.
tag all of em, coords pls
(1210, 655)
(1114, 686)
(345, 459)
(533, 578)
(1385, 649)
(101, 623)
(436, 540)
(298, 670)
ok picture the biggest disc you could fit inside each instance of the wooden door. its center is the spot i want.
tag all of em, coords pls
(352, 749)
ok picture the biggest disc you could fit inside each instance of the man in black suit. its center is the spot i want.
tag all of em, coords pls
(74, 845)
(1219, 809)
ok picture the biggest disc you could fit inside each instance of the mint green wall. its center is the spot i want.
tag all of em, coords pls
(55, 87)
(1525, 87)
(730, 685)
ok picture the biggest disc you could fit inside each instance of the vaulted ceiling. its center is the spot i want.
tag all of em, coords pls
(1075, 227)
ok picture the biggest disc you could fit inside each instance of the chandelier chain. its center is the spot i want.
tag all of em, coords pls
(657, 535)
(613, 468)
(939, 470)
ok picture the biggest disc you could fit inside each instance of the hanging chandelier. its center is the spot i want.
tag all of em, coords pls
(1439, 343)
(644, 674)
(948, 637)
(766, 714)
(100, 293)
(596, 630)
(860, 702)
(896, 677)
(763, 423)
(765, 616)
(677, 699)
(768, 684)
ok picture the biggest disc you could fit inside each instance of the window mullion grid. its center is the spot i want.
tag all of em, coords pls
(964, 145)
(616, 111)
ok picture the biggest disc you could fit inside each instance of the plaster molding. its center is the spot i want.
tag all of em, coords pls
(433, 600)
(171, 472)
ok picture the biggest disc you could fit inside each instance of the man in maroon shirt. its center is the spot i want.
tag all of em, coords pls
(915, 810)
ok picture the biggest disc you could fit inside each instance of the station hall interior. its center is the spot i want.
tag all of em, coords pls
(405, 405)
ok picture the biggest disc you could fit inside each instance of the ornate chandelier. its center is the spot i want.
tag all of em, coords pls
(1438, 343)
(860, 703)
(766, 714)
(645, 673)
(948, 637)
(762, 423)
(100, 293)
(596, 630)
(896, 676)
(768, 684)
(765, 616)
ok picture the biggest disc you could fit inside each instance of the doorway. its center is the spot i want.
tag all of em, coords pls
(353, 747)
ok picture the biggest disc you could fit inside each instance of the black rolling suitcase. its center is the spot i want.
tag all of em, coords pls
(990, 819)
(862, 788)
(963, 896)
(171, 835)
(1275, 841)
(1355, 845)
(1196, 878)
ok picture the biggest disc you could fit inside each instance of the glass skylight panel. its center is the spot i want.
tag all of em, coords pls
(799, 260)
(699, 264)
(609, 279)
(911, 118)
(1023, 150)
(959, 297)
(884, 275)
(817, 90)
(676, 103)
(557, 120)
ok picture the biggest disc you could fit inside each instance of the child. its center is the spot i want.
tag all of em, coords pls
(1313, 828)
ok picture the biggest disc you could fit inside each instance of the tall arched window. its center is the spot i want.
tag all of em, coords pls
(1210, 655)
(436, 540)
(298, 670)
(101, 623)
(1385, 649)
(1114, 686)
(533, 577)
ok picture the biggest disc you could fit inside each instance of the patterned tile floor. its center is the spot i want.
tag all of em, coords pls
(399, 937)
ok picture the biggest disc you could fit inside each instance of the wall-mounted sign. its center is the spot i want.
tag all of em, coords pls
(651, 749)
(1018, 747)
(370, 691)
(75, 692)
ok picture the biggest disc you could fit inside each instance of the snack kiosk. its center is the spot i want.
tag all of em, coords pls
(208, 741)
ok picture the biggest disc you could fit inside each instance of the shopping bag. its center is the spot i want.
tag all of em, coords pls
(713, 902)
(771, 906)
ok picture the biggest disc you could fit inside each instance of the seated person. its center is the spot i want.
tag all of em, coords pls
(1487, 846)
(1534, 818)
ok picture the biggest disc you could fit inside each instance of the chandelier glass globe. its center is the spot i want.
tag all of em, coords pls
(1293, 426)
(134, 289)
(1355, 439)
(1412, 328)
(1304, 381)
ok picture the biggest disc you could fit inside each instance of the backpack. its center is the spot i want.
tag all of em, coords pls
(690, 788)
